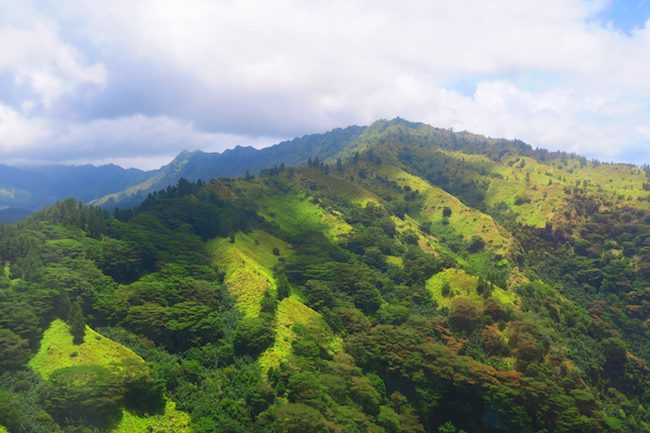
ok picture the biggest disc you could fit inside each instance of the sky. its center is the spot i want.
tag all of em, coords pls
(135, 82)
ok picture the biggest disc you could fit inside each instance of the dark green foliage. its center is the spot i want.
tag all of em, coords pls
(283, 286)
(77, 323)
(14, 350)
(476, 244)
(252, 336)
(143, 391)
(464, 314)
(178, 326)
(269, 303)
(21, 404)
(520, 200)
(88, 394)
(299, 418)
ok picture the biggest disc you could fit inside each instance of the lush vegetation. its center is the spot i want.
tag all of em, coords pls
(412, 285)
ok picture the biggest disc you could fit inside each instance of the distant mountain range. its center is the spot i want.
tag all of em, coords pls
(24, 190)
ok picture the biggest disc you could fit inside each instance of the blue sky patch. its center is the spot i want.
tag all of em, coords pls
(625, 15)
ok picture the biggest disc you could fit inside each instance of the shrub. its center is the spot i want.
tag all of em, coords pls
(520, 200)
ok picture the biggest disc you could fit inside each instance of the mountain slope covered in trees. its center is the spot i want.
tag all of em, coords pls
(424, 281)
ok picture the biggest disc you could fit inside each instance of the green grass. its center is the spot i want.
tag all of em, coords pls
(58, 351)
(291, 311)
(3, 430)
(395, 260)
(248, 264)
(335, 185)
(464, 220)
(427, 242)
(543, 184)
(296, 215)
(462, 284)
(172, 420)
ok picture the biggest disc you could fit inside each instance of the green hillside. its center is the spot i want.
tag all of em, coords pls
(247, 260)
(406, 279)
(58, 351)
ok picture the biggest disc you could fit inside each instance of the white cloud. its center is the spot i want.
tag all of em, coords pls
(17, 133)
(133, 141)
(37, 57)
(542, 72)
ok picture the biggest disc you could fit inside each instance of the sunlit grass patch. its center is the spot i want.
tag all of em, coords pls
(58, 351)
(460, 283)
(248, 264)
(335, 185)
(292, 312)
(463, 220)
(171, 420)
(296, 215)
(395, 260)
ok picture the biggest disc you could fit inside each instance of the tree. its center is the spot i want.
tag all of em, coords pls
(284, 288)
(268, 304)
(446, 212)
(446, 289)
(144, 392)
(300, 418)
(276, 251)
(465, 314)
(253, 336)
(365, 395)
(77, 323)
(89, 393)
(615, 353)
(367, 297)
(14, 350)
(476, 244)
(483, 287)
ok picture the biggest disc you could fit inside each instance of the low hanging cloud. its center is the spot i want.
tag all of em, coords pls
(136, 82)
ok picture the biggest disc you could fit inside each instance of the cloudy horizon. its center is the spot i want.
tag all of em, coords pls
(135, 83)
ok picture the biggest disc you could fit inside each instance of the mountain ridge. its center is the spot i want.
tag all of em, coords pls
(128, 187)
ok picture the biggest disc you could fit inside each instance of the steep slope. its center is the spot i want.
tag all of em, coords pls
(247, 260)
